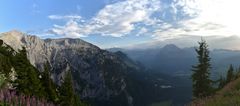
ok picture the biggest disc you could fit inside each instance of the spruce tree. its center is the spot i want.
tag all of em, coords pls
(50, 87)
(230, 74)
(67, 91)
(201, 72)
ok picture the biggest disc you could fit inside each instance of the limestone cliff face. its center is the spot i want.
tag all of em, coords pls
(97, 74)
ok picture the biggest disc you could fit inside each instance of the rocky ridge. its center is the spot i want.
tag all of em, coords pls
(97, 74)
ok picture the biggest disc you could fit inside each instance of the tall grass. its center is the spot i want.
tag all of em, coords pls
(228, 96)
(11, 98)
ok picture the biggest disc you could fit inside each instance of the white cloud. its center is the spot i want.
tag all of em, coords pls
(59, 17)
(205, 18)
(143, 30)
(116, 19)
(160, 18)
(119, 19)
(71, 29)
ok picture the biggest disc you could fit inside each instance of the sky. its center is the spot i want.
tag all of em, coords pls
(125, 23)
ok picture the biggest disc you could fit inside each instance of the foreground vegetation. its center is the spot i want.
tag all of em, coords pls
(22, 84)
(228, 96)
(205, 91)
(11, 98)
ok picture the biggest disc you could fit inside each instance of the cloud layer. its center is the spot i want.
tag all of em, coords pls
(159, 18)
(118, 19)
(205, 18)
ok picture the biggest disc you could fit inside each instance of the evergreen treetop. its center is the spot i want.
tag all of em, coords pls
(201, 72)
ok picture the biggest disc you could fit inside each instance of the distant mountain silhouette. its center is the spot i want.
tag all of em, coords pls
(173, 60)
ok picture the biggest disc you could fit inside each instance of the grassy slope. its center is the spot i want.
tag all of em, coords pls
(228, 96)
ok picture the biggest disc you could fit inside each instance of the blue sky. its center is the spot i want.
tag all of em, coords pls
(119, 23)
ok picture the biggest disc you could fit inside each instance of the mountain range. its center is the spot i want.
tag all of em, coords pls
(173, 60)
(100, 77)
(119, 76)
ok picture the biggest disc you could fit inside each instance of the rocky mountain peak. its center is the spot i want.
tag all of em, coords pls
(18, 39)
(13, 38)
(170, 47)
(15, 32)
(71, 43)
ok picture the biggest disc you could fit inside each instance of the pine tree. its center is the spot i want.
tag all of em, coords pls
(67, 91)
(230, 74)
(5, 59)
(28, 81)
(201, 72)
(50, 87)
